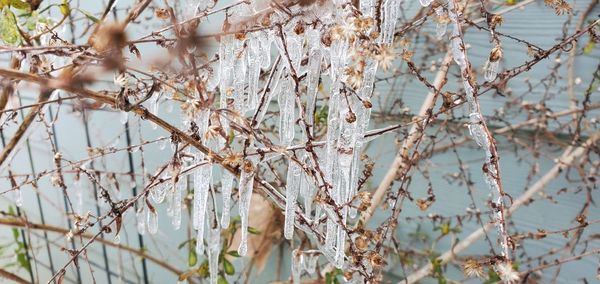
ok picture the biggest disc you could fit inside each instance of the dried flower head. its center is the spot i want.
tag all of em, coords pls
(248, 166)
(496, 53)
(473, 269)
(385, 57)
(506, 272)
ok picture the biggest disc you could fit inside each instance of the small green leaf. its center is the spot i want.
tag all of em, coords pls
(222, 280)
(228, 267)
(15, 233)
(230, 135)
(65, 9)
(9, 33)
(233, 253)
(253, 231)
(89, 16)
(23, 262)
(181, 245)
(589, 47)
(192, 258)
(203, 269)
(18, 4)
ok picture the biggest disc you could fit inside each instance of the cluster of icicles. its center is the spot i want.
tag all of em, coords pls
(236, 76)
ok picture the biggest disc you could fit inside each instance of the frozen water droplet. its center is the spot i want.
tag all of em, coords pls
(152, 222)
(141, 224)
(18, 197)
(425, 3)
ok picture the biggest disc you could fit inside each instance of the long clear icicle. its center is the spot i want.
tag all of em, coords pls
(390, 13)
(294, 176)
(287, 113)
(478, 131)
(141, 221)
(202, 182)
(297, 264)
(152, 222)
(315, 58)
(177, 202)
(214, 245)
(226, 186)
(245, 195)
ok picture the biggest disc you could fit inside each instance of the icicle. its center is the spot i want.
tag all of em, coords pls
(345, 150)
(442, 23)
(390, 18)
(213, 76)
(178, 189)
(292, 49)
(202, 123)
(456, 42)
(291, 194)
(367, 7)
(477, 131)
(141, 224)
(245, 195)
(226, 186)
(330, 234)
(425, 3)
(332, 133)
(313, 75)
(202, 180)
(306, 189)
(239, 77)
(199, 243)
(310, 262)
(265, 40)
(297, 263)
(341, 242)
(287, 113)
(18, 197)
(226, 57)
(253, 74)
(214, 248)
(158, 193)
(117, 239)
(490, 70)
(214, 243)
(152, 222)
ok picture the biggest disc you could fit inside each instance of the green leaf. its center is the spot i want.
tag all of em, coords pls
(233, 253)
(328, 278)
(228, 267)
(253, 231)
(181, 245)
(192, 258)
(18, 4)
(589, 47)
(23, 262)
(89, 15)
(492, 277)
(65, 9)
(9, 33)
(203, 269)
(222, 280)
(230, 135)
(15, 233)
